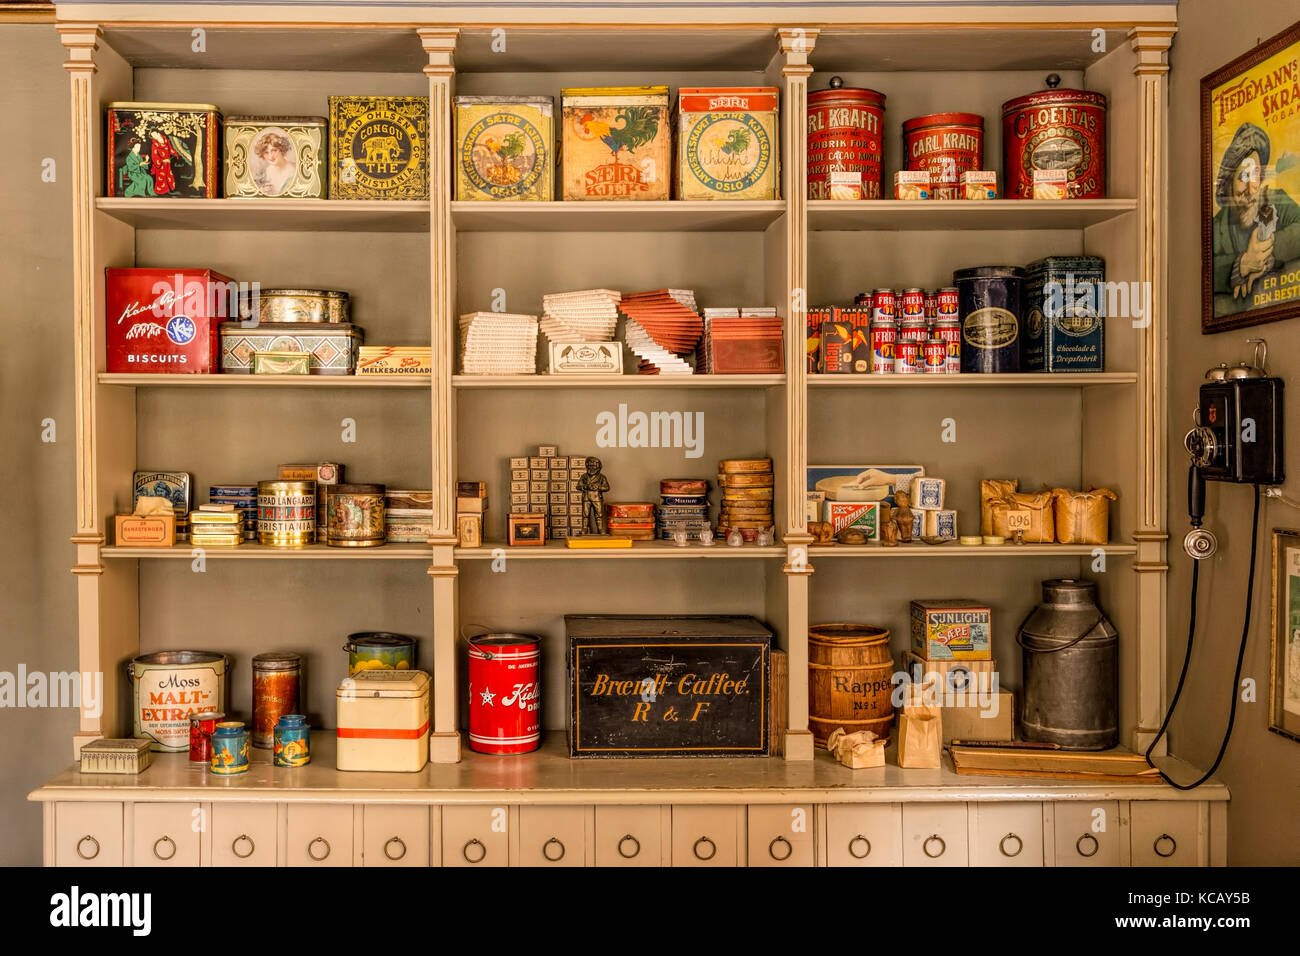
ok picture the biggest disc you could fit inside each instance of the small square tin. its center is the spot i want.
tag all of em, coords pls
(331, 345)
(274, 157)
(528, 528)
(728, 143)
(1065, 315)
(116, 755)
(617, 143)
(175, 486)
(163, 150)
(505, 147)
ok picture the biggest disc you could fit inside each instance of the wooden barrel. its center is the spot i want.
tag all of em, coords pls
(850, 682)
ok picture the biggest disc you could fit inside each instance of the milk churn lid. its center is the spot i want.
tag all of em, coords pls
(1069, 591)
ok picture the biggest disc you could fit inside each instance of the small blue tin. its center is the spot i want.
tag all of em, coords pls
(292, 741)
(230, 748)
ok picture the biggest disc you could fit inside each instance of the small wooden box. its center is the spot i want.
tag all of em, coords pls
(469, 529)
(152, 531)
(471, 506)
(526, 529)
(471, 489)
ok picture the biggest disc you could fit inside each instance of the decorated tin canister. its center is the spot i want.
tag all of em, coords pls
(201, 727)
(229, 748)
(379, 650)
(244, 500)
(297, 305)
(277, 679)
(505, 147)
(1055, 129)
(884, 337)
(884, 304)
(1065, 315)
(379, 147)
(990, 314)
(934, 356)
(907, 356)
(845, 128)
(292, 741)
(946, 145)
(286, 513)
(505, 693)
(275, 156)
(727, 142)
(356, 516)
(617, 143)
(171, 685)
(947, 329)
(163, 150)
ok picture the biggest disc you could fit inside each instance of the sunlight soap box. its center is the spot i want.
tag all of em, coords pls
(616, 143)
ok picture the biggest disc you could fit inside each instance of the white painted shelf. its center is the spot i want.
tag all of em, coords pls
(897, 215)
(956, 550)
(672, 215)
(259, 552)
(617, 381)
(163, 380)
(273, 215)
(640, 550)
(975, 380)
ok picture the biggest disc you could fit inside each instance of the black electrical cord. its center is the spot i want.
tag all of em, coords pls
(1187, 658)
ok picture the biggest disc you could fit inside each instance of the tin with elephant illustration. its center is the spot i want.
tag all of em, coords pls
(617, 143)
(379, 147)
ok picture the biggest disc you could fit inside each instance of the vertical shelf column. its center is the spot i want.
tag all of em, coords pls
(440, 45)
(1151, 44)
(796, 44)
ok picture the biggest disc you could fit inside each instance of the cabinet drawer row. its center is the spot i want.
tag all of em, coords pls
(1077, 833)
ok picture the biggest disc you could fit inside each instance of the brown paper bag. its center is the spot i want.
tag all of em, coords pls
(857, 751)
(920, 737)
(990, 489)
(1083, 517)
(1039, 504)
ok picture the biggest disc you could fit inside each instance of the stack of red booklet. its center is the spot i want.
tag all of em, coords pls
(740, 341)
(662, 326)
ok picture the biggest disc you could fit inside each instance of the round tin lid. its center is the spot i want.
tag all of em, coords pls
(216, 715)
(178, 658)
(299, 293)
(943, 119)
(361, 489)
(836, 87)
(277, 661)
(274, 121)
(988, 272)
(284, 484)
(492, 645)
(377, 639)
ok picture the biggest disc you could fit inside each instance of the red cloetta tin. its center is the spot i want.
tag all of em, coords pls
(505, 693)
(947, 145)
(165, 320)
(845, 135)
(1055, 129)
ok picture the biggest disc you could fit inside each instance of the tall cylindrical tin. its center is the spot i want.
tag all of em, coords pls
(989, 309)
(277, 679)
(379, 650)
(292, 741)
(947, 145)
(1055, 129)
(169, 686)
(1070, 666)
(505, 693)
(201, 728)
(229, 748)
(356, 516)
(844, 135)
(286, 513)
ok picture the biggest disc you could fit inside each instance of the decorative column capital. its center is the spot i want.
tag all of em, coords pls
(82, 40)
(796, 43)
(440, 44)
(1151, 44)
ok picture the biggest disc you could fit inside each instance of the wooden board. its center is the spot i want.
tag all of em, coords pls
(1001, 761)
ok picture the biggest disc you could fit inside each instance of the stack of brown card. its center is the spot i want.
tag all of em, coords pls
(662, 326)
(747, 485)
(635, 520)
(742, 341)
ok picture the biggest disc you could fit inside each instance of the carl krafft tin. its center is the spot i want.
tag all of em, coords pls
(277, 679)
(990, 303)
(946, 145)
(201, 728)
(229, 748)
(286, 513)
(845, 135)
(1055, 129)
(505, 693)
(292, 741)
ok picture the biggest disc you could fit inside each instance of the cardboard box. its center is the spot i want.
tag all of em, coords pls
(953, 629)
(526, 529)
(912, 184)
(154, 531)
(979, 184)
(471, 506)
(469, 529)
(996, 721)
(864, 515)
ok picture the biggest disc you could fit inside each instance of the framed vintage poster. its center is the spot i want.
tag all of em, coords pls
(1250, 187)
(1284, 666)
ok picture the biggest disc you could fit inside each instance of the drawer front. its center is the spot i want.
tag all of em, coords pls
(553, 836)
(1087, 833)
(1164, 832)
(864, 835)
(319, 835)
(1006, 834)
(395, 835)
(476, 836)
(780, 835)
(708, 836)
(166, 834)
(934, 834)
(88, 834)
(243, 834)
(630, 836)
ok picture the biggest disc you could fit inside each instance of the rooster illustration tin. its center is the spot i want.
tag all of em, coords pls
(617, 143)
(505, 147)
(727, 143)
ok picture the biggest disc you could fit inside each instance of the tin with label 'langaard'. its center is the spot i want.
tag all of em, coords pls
(286, 513)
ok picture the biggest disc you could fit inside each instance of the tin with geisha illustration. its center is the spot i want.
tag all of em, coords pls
(505, 147)
(355, 516)
(617, 143)
(946, 145)
(727, 142)
(274, 157)
(505, 693)
(163, 150)
(845, 135)
(1055, 129)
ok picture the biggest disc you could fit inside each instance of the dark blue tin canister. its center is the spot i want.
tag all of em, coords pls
(1065, 308)
(990, 300)
(292, 741)
(230, 748)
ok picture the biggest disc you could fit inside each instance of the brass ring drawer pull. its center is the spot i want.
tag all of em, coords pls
(713, 849)
(1091, 841)
(865, 842)
(94, 844)
(934, 838)
(1002, 845)
(243, 838)
(311, 852)
(401, 848)
(636, 847)
(170, 842)
(1173, 845)
(546, 850)
(480, 854)
(789, 849)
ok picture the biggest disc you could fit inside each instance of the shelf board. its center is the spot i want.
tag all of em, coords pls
(163, 380)
(955, 550)
(673, 215)
(652, 550)
(259, 552)
(919, 215)
(271, 215)
(975, 380)
(617, 381)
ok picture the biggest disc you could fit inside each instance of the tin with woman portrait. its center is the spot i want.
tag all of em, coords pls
(274, 157)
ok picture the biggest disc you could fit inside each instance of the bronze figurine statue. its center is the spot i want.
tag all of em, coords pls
(593, 486)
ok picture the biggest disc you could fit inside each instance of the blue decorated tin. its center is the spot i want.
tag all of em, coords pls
(244, 498)
(989, 308)
(292, 741)
(230, 748)
(1065, 307)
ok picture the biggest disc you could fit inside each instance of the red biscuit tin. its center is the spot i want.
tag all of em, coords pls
(505, 693)
(1055, 129)
(844, 135)
(165, 320)
(947, 145)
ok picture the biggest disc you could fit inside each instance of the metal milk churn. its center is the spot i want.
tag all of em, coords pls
(1071, 675)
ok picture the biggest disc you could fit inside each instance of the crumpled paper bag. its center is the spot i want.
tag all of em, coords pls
(857, 751)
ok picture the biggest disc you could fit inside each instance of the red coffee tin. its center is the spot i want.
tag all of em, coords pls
(505, 693)
(1055, 129)
(845, 135)
(946, 144)
(165, 320)
(201, 727)
(907, 356)
(934, 355)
